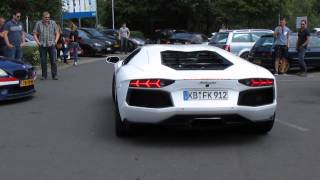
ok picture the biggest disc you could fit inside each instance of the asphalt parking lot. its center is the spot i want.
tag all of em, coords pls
(66, 131)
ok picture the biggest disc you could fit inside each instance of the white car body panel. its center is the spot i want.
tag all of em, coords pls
(147, 65)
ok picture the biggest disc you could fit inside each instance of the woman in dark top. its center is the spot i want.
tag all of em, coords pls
(74, 42)
(61, 47)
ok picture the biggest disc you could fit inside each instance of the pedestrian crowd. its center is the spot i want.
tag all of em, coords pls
(281, 33)
(48, 36)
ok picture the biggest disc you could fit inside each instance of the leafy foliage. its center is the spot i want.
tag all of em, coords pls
(31, 55)
(206, 15)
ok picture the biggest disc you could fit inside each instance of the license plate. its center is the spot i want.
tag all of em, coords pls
(27, 82)
(196, 95)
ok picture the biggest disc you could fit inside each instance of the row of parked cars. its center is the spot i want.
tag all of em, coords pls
(257, 46)
(102, 41)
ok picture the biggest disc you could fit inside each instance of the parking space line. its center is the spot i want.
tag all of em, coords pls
(291, 125)
(298, 80)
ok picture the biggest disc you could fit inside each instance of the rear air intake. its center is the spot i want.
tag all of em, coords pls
(256, 97)
(195, 60)
(148, 98)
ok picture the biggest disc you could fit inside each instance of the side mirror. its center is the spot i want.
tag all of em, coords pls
(112, 59)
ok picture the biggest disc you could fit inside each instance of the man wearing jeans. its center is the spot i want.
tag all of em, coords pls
(46, 34)
(14, 37)
(302, 43)
(124, 34)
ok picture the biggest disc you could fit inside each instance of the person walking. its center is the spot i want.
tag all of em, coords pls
(281, 33)
(2, 41)
(14, 37)
(74, 42)
(302, 43)
(61, 48)
(124, 34)
(46, 34)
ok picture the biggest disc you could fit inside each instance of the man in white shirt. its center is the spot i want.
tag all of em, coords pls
(124, 34)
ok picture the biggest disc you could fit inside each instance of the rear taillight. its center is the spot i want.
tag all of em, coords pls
(257, 82)
(6, 79)
(227, 48)
(150, 83)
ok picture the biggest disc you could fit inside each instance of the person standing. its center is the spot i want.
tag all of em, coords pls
(2, 41)
(302, 43)
(281, 33)
(74, 42)
(124, 34)
(46, 34)
(14, 37)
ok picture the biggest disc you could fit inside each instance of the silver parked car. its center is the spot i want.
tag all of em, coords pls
(238, 42)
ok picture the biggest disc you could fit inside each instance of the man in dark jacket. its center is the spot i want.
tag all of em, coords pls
(302, 43)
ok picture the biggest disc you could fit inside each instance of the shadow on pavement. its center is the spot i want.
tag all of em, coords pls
(154, 136)
(15, 101)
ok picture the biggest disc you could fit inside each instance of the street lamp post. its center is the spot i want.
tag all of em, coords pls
(112, 14)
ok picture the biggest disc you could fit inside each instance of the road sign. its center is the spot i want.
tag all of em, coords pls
(79, 9)
(298, 21)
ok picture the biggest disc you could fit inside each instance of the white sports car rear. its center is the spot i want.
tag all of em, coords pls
(193, 85)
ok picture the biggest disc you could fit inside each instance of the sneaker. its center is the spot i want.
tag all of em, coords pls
(75, 64)
(303, 74)
(54, 78)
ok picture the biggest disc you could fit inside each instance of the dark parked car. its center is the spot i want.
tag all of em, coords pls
(16, 79)
(188, 38)
(90, 46)
(262, 53)
(110, 43)
(133, 42)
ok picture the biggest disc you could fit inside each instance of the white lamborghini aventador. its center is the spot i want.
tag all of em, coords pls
(191, 85)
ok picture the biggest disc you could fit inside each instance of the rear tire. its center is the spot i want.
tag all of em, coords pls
(245, 55)
(122, 128)
(263, 127)
(113, 89)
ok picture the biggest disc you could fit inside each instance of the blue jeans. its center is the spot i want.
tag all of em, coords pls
(52, 56)
(124, 44)
(14, 53)
(2, 50)
(74, 46)
(302, 63)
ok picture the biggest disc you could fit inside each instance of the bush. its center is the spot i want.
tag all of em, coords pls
(137, 34)
(31, 55)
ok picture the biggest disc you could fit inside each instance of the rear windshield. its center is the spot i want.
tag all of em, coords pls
(196, 60)
(265, 41)
(314, 41)
(83, 34)
(241, 37)
(94, 32)
(182, 36)
(220, 38)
